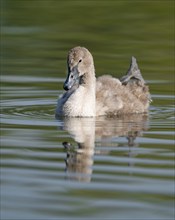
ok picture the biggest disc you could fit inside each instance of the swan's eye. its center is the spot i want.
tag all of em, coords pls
(80, 60)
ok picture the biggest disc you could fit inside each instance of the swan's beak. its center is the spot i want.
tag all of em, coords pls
(72, 79)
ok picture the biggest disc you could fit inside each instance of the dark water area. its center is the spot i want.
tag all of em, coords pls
(98, 168)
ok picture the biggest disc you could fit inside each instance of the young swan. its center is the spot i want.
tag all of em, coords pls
(87, 97)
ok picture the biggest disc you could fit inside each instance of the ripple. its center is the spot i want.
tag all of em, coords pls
(29, 79)
(130, 166)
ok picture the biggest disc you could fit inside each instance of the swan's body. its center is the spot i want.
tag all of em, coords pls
(88, 97)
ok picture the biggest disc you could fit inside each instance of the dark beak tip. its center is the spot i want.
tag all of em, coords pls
(66, 87)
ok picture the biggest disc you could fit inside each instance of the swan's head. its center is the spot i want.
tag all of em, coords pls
(79, 63)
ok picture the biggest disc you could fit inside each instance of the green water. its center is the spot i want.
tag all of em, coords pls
(126, 167)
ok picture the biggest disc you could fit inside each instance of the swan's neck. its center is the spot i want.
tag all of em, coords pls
(80, 102)
(88, 78)
(88, 89)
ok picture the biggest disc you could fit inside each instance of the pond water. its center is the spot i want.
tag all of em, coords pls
(115, 168)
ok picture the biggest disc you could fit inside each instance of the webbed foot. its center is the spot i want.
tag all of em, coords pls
(133, 73)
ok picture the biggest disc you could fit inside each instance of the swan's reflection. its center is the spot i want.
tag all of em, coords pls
(79, 158)
(85, 131)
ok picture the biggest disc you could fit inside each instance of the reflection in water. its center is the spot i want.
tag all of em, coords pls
(79, 159)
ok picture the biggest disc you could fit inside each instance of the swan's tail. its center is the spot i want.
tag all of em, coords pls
(133, 73)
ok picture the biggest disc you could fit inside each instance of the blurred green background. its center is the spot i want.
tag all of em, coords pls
(36, 35)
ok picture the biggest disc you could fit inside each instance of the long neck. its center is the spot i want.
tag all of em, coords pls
(89, 84)
(88, 79)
